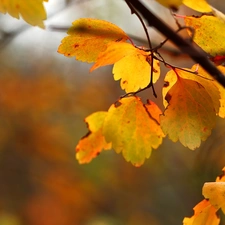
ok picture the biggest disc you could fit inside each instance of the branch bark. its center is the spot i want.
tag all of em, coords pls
(195, 52)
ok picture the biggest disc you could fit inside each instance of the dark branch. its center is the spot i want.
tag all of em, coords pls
(196, 53)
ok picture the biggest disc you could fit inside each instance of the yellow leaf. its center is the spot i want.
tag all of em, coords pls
(200, 5)
(214, 89)
(222, 94)
(32, 11)
(190, 114)
(208, 33)
(133, 129)
(94, 142)
(132, 65)
(204, 214)
(202, 77)
(214, 192)
(172, 4)
(88, 37)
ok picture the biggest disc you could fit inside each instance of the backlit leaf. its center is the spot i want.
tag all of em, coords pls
(94, 142)
(33, 12)
(222, 94)
(214, 192)
(200, 5)
(202, 77)
(204, 214)
(132, 65)
(133, 129)
(88, 37)
(214, 89)
(190, 114)
(208, 33)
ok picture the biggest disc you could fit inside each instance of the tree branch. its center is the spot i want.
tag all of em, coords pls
(195, 52)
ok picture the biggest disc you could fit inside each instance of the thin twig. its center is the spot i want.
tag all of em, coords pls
(195, 52)
(133, 10)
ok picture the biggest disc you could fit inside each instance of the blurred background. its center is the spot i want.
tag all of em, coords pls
(44, 98)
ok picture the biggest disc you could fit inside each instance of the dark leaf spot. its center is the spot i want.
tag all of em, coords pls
(166, 84)
(117, 104)
(155, 70)
(173, 8)
(168, 97)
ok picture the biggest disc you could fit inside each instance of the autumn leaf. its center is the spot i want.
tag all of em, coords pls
(208, 33)
(33, 12)
(133, 129)
(214, 192)
(222, 94)
(190, 114)
(200, 5)
(131, 65)
(214, 89)
(88, 37)
(94, 142)
(221, 178)
(204, 214)
(201, 77)
(172, 4)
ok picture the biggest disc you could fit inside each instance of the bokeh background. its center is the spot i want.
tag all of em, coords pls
(44, 98)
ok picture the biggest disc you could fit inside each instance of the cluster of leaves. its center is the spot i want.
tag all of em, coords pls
(192, 99)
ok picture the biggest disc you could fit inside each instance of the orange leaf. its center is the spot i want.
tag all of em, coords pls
(205, 214)
(88, 37)
(221, 178)
(132, 65)
(94, 142)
